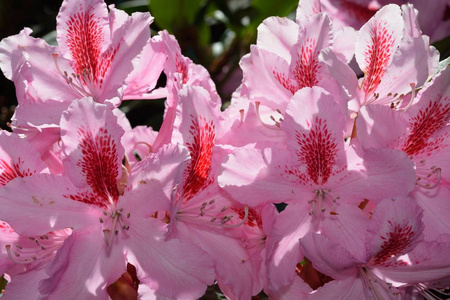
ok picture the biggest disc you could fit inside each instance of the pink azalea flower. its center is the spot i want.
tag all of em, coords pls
(316, 174)
(93, 58)
(95, 53)
(394, 255)
(394, 56)
(422, 132)
(200, 211)
(114, 226)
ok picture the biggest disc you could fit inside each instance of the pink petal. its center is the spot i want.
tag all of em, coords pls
(91, 141)
(127, 41)
(283, 244)
(172, 268)
(29, 62)
(395, 229)
(265, 76)
(387, 173)
(17, 158)
(318, 146)
(329, 258)
(157, 175)
(344, 44)
(436, 207)
(146, 71)
(427, 262)
(353, 288)
(277, 35)
(83, 32)
(74, 274)
(259, 181)
(47, 195)
(24, 285)
(347, 226)
(376, 44)
(307, 9)
(380, 127)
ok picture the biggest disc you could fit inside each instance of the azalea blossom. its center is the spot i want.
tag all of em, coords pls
(115, 226)
(394, 255)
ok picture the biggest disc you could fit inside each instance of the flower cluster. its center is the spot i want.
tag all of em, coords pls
(347, 130)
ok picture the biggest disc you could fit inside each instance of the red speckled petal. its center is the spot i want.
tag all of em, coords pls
(426, 263)
(36, 205)
(305, 68)
(316, 140)
(17, 158)
(430, 115)
(395, 229)
(376, 44)
(83, 33)
(195, 127)
(91, 138)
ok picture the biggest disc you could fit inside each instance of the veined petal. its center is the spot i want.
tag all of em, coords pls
(395, 229)
(83, 33)
(38, 204)
(305, 68)
(277, 35)
(91, 138)
(426, 263)
(347, 226)
(195, 127)
(83, 267)
(429, 115)
(17, 158)
(266, 75)
(283, 249)
(318, 146)
(127, 42)
(376, 44)
(329, 258)
(172, 268)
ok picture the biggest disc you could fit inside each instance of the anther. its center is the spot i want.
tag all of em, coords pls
(212, 201)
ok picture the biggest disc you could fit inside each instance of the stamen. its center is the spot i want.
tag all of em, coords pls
(413, 95)
(242, 221)
(150, 149)
(273, 127)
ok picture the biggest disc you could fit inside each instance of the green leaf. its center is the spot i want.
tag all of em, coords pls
(274, 8)
(173, 14)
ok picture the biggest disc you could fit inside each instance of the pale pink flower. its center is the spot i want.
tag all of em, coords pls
(394, 255)
(316, 174)
(111, 222)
